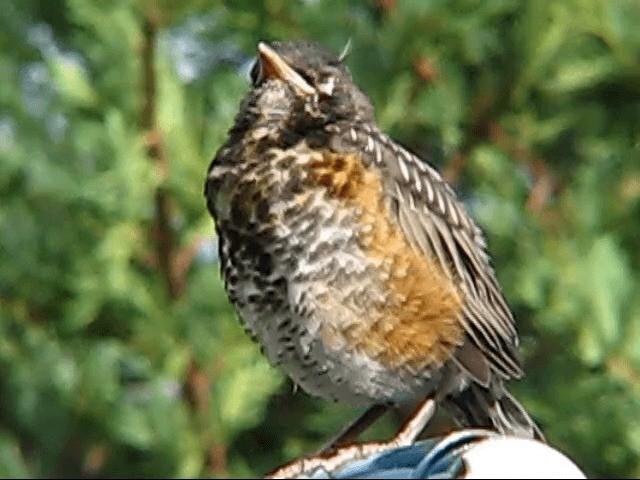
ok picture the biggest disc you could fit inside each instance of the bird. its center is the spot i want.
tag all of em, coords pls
(350, 259)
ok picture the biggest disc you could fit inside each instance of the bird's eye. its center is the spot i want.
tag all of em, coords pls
(256, 73)
(306, 77)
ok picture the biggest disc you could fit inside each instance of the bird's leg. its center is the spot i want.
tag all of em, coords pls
(415, 423)
(355, 428)
(405, 436)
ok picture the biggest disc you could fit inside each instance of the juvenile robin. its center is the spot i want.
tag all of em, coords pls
(349, 258)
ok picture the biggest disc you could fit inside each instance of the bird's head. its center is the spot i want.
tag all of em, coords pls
(302, 84)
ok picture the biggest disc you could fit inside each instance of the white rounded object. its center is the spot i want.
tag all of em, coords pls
(512, 457)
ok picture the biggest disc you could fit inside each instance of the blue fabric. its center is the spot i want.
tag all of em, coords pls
(439, 458)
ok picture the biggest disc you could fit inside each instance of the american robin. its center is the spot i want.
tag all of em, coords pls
(349, 258)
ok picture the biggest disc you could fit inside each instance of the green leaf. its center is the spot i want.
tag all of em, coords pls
(72, 82)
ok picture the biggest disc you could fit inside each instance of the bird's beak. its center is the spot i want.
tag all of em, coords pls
(273, 66)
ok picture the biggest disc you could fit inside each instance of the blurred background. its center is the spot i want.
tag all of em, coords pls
(119, 354)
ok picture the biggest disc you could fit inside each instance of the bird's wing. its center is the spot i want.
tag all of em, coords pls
(436, 223)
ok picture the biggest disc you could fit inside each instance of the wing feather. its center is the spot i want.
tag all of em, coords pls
(436, 223)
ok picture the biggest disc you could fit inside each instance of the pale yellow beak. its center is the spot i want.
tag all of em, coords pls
(273, 66)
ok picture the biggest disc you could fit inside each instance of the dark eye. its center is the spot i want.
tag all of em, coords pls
(256, 73)
(306, 77)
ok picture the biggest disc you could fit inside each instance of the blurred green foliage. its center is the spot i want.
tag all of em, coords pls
(119, 354)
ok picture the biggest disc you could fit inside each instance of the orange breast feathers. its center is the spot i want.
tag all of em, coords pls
(420, 324)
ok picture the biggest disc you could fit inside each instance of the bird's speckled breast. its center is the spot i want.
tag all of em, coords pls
(323, 279)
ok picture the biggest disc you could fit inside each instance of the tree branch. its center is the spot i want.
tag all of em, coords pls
(162, 232)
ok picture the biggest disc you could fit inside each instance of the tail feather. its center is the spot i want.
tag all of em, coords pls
(493, 407)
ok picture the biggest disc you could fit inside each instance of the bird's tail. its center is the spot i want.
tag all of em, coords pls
(494, 408)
